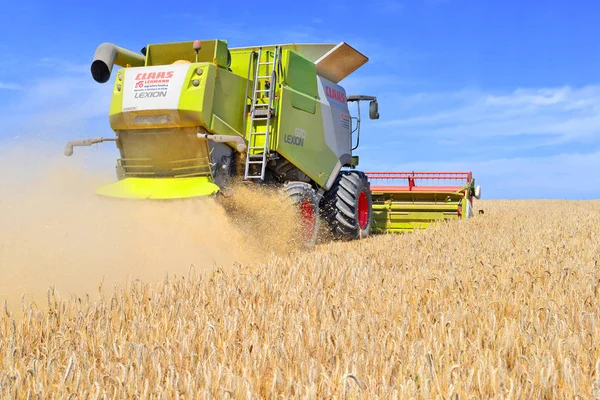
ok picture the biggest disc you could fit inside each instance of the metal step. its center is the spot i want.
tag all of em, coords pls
(263, 113)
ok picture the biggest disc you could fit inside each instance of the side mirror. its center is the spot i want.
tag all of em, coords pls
(373, 110)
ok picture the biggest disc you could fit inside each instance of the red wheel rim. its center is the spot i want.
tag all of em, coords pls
(308, 218)
(363, 210)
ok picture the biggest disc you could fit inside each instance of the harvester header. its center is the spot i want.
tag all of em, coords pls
(404, 201)
(191, 117)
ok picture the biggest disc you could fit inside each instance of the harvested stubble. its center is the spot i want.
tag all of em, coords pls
(503, 305)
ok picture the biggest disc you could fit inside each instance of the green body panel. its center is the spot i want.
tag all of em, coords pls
(297, 110)
(407, 211)
(310, 153)
(300, 77)
(195, 102)
(217, 103)
(240, 61)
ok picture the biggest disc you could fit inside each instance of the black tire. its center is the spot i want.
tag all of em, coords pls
(347, 218)
(306, 199)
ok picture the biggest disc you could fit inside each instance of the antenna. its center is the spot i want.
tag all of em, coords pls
(197, 47)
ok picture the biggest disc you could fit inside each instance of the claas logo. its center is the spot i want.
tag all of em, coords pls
(142, 76)
(335, 94)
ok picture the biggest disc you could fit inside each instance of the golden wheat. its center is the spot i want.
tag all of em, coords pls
(503, 305)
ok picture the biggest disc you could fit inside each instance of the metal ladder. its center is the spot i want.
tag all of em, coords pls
(261, 112)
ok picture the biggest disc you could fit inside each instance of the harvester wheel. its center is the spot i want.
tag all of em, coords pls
(347, 206)
(306, 199)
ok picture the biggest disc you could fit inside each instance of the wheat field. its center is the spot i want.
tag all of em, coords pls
(504, 305)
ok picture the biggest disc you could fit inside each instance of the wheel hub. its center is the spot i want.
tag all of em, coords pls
(363, 210)
(308, 218)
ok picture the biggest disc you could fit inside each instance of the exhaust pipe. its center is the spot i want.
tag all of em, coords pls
(85, 142)
(238, 140)
(107, 55)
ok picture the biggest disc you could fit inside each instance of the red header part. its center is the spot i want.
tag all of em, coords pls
(419, 181)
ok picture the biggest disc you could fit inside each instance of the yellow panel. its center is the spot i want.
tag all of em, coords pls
(159, 188)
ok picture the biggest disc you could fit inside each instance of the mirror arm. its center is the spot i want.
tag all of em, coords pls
(361, 97)
(357, 129)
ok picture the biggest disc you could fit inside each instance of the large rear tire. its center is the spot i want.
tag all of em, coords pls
(347, 206)
(306, 199)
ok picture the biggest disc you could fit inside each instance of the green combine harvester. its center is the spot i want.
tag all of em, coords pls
(192, 117)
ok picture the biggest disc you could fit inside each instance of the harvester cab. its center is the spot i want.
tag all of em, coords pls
(190, 117)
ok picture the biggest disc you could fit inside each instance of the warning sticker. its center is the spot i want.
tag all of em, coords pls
(345, 121)
(153, 88)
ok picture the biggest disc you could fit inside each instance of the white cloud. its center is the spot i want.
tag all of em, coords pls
(58, 108)
(10, 86)
(569, 113)
(537, 97)
(535, 143)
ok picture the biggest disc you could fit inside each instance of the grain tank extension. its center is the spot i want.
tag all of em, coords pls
(191, 117)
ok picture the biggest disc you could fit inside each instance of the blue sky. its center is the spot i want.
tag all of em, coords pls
(507, 89)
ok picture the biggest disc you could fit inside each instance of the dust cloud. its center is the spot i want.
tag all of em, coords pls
(55, 232)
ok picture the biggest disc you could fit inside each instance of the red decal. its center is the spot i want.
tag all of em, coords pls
(335, 94)
(142, 76)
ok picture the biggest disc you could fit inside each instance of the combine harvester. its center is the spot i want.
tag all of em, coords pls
(192, 117)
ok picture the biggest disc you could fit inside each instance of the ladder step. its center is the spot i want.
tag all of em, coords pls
(264, 77)
(262, 90)
(255, 162)
(266, 63)
(261, 105)
(262, 113)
